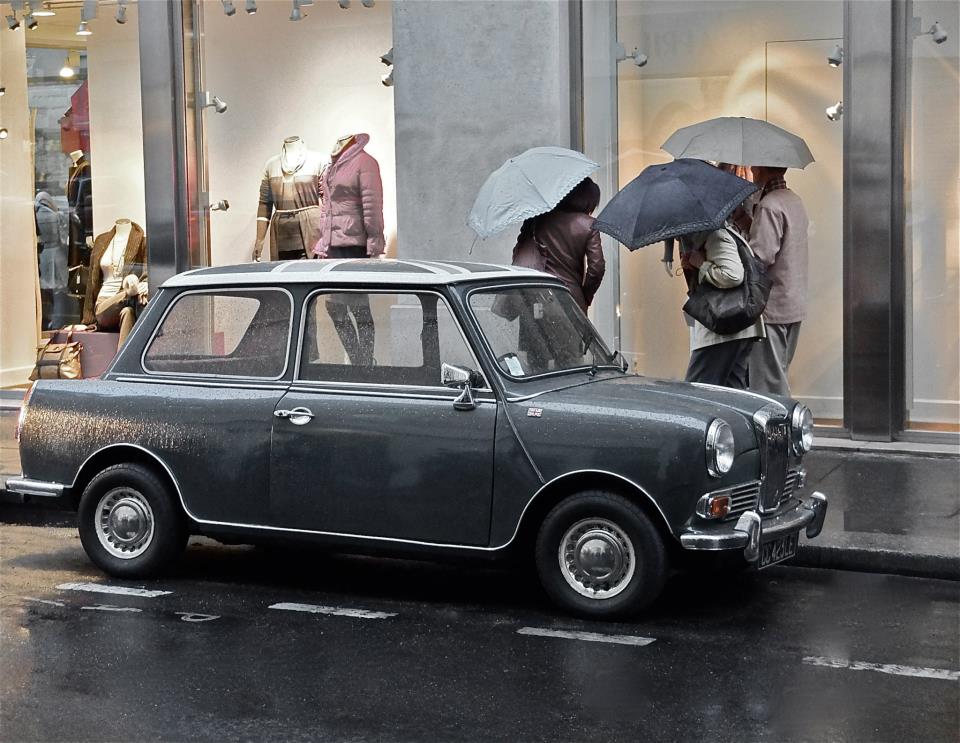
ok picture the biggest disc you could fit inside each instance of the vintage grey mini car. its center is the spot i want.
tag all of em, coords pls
(441, 409)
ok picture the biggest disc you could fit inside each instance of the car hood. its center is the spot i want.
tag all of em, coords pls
(635, 392)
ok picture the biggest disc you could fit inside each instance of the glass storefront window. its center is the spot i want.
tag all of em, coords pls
(766, 60)
(72, 166)
(297, 93)
(932, 173)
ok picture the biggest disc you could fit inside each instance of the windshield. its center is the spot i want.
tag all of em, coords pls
(538, 330)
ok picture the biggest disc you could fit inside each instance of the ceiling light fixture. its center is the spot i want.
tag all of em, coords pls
(208, 99)
(121, 16)
(251, 7)
(70, 65)
(639, 59)
(835, 112)
(82, 29)
(937, 32)
(296, 14)
(89, 10)
(3, 90)
(12, 23)
(30, 21)
(228, 7)
(835, 57)
(387, 59)
(367, 3)
(344, 4)
(46, 11)
(4, 133)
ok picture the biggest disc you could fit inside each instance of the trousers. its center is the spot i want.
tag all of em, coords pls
(116, 312)
(724, 364)
(771, 357)
(351, 314)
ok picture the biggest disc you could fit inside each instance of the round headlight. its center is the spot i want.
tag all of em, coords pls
(719, 448)
(802, 424)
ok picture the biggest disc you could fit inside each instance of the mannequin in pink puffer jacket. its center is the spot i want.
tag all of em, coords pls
(351, 202)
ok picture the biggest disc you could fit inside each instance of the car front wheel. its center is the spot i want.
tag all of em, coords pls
(129, 525)
(599, 555)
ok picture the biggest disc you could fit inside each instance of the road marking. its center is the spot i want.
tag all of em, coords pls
(334, 611)
(43, 601)
(108, 607)
(587, 636)
(100, 588)
(858, 665)
(191, 616)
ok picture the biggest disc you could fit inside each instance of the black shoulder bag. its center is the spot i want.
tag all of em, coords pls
(728, 311)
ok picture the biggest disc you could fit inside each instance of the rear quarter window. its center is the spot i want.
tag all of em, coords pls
(244, 333)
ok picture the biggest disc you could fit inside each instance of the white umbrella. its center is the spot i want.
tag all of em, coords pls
(524, 186)
(740, 141)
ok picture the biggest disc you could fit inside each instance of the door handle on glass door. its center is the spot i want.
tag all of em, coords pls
(297, 416)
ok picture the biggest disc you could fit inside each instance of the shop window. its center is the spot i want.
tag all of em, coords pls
(310, 99)
(235, 334)
(372, 338)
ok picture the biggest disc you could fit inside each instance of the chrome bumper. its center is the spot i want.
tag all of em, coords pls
(751, 528)
(40, 488)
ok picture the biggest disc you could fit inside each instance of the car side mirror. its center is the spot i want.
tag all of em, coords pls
(463, 378)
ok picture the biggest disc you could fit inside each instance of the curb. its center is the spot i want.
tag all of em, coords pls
(865, 560)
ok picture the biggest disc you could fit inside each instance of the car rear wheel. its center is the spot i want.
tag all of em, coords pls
(599, 555)
(130, 526)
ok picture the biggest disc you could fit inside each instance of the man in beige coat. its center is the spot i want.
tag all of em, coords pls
(778, 236)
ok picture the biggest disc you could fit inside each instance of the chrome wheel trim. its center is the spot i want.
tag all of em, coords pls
(124, 523)
(597, 558)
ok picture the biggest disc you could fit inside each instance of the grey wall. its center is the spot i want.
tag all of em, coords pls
(475, 83)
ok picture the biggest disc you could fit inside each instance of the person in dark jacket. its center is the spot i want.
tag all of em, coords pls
(564, 242)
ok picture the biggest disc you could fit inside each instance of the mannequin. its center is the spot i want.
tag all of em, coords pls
(289, 202)
(352, 227)
(117, 286)
(80, 201)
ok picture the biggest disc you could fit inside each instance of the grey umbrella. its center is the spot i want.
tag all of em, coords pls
(672, 199)
(740, 141)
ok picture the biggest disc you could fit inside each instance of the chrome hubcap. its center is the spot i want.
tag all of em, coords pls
(597, 558)
(124, 523)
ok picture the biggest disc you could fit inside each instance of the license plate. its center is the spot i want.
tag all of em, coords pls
(778, 550)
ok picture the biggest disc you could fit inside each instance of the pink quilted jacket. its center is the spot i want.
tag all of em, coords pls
(351, 201)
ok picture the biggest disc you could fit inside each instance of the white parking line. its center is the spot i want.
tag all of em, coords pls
(43, 601)
(858, 665)
(587, 636)
(100, 588)
(334, 611)
(108, 607)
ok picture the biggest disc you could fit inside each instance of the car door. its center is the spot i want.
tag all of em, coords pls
(367, 441)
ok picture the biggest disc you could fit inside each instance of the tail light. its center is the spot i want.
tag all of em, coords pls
(23, 410)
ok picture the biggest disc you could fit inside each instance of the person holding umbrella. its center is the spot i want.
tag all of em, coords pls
(778, 235)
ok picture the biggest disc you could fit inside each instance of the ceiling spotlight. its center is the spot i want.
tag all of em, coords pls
(387, 79)
(228, 7)
(296, 14)
(835, 57)
(82, 29)
(251, 7)
(939, 35)
(30, 21)
(12, 23)
(367, 3)
(4, 133)
(343, 4)
(3, 90)
(208, 99)
(638, 58)
(835, 111)
(387, 58)
(70, 65)
(121, 16)
(89, 10)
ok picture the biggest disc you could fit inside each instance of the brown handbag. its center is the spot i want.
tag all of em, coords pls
(58, 360)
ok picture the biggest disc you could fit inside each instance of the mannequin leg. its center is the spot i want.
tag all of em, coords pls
(366, 332)
(339, 312)
(127, 318)
(107, 310)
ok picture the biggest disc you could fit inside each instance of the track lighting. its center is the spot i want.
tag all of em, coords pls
(296, 14)
(251, 7)
(228, 7)
(4, 133)
(835, 111)
(3, 90)
(208, 99)
(367, 3)
(121, 16)
(82, 29)
(835, 57)
(387, 58)
(344, 4)
(639, 59)
(387, 79)
(937, 32)
(30, 21)
(12, 23)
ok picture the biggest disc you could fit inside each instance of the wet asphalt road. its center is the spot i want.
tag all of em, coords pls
(790, 654)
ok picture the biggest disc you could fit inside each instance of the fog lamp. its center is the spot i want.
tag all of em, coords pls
(713, 506)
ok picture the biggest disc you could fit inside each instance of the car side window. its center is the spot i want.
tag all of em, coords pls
(381, 338)
(226, 333)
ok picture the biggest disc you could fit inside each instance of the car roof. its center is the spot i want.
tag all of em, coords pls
(352, 271)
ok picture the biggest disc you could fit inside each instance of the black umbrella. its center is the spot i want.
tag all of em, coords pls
(672, 199)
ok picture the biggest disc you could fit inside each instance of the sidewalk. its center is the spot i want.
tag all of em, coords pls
(889, 512)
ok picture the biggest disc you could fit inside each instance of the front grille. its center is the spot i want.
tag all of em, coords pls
(746, 497)
(774, 438)
(790, 483)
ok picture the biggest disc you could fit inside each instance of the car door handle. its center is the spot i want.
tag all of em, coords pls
(297, 416)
